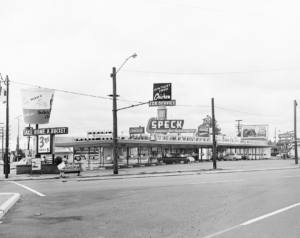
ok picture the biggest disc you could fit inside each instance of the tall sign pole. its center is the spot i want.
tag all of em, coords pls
(115, 124)
(6, 165)
(214, 134)
(295, 131)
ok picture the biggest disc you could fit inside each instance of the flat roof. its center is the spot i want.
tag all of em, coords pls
(146, 143)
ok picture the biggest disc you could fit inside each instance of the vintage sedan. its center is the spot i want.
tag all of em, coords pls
(232, 156)
(23, 161)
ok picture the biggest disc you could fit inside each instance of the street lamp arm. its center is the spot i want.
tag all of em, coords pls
(133, 56)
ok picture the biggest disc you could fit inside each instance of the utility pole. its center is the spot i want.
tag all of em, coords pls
(18, 137)
(295, 131)
(2, 134)
(115, 126)
(275, 136)
(6, 164)
(239, 127)
(214, 134)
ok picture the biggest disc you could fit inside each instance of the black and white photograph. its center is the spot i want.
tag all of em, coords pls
(149, 119)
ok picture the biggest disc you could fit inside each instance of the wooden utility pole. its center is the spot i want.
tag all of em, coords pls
(239, 127)
(6, 160)
(115, 120)
(295, 131)
(214, 134)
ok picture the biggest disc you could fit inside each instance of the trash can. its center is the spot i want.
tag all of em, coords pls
(284, 156)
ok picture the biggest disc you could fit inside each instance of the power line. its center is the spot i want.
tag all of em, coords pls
(245, 112)
(214, 73)
(64, 91)
(226, 11)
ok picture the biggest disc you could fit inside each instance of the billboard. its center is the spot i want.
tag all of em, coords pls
(37, 105)
(255, 131)
(162, 91)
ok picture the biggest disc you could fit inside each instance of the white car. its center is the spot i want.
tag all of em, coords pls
(192, 159)
(23, 161)
(232, 156)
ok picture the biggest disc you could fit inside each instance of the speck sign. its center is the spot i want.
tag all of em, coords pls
(44, 144)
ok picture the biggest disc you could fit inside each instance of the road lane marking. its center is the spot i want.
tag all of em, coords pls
(225, 181)
(253, 220)
(292, 176)
(269, 214)
(36, 192)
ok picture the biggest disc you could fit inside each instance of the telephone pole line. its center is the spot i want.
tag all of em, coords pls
(214, 134)
(295, 131)
(239, 127)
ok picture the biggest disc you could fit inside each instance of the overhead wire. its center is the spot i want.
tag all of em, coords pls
(226, 11)
(211, 73)
(65, 91)
(124, 100)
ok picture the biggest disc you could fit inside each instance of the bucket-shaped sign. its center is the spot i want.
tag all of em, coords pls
(37, 105)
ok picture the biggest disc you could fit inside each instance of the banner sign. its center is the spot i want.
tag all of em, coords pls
(44, 144)
(227, 139)
(162, 91)
(287, 135)
(255, 131)
(181, 138)
(46, 131)
(162, 103)
(136, 130)
(86, 150)
(36, 164)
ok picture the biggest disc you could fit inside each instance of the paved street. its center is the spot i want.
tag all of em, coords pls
(195, 205)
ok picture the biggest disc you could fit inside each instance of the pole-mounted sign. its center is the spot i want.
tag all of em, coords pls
(162, 95)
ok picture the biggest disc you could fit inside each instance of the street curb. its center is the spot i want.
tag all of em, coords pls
(249, 170)
(148, 174)
(4, 208)
(174, 173)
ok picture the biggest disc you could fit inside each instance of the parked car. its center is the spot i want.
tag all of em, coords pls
(232, 156)
(245, 157)
(23, 161)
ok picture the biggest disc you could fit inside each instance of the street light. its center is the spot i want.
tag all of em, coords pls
(115, 120)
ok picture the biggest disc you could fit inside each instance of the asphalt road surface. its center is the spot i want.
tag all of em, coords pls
(249, 204)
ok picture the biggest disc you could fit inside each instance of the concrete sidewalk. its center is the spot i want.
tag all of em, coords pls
(162, 170)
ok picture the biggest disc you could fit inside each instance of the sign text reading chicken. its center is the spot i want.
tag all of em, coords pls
(162, 92)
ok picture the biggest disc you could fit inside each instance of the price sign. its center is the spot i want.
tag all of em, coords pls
(44, 144)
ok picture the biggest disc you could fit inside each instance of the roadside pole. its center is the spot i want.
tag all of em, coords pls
(115, 125)
(214, 135)
(295, 131)
(6, 164)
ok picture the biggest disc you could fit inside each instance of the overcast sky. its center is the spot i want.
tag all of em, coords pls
(244, 54)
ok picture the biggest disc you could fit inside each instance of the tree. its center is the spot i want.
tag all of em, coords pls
(207, 122)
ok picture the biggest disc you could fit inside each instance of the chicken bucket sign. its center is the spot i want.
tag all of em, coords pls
(162, 95)
(37, 105)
